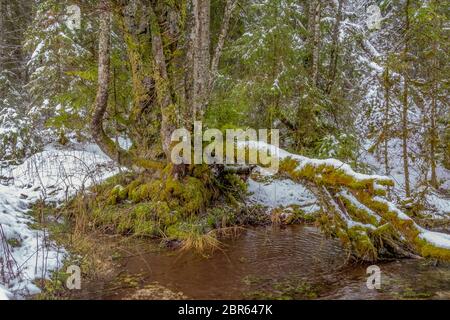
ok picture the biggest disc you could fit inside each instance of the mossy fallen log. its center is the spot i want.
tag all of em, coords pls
(355, 209)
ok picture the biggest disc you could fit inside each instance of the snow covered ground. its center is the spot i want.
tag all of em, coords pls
(437, 203)
(53, 175)
(276, 193)
(25, 253)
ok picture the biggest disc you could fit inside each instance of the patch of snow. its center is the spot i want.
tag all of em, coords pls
(52, 175)
(33, 255)
(280, 193)
(55, 175)
(4, 294)
(439, 204)
(359, 205)
(439, 239)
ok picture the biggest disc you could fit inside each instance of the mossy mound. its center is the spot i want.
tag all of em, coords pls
(186, 209)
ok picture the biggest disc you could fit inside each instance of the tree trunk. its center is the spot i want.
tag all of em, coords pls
(163, 92)
(144, 115)
(335, 46)
(433, 139)
(105, 143)
(386, 120)
(101, 100)
(229, 7)
(405, 104)
(152, 37)
(201, 57)
(314, 36)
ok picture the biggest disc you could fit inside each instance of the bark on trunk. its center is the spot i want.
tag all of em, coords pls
(335, 47)
(405, 105)
(386, 120)
(315, 8)
(201, 57)
(229, 7)
(144, 115)
(433, 140)
(163, 92)
(105, 143)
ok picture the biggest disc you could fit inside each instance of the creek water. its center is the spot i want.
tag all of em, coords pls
(292, 262)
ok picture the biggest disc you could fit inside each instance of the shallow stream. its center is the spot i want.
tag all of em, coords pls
(293, 262)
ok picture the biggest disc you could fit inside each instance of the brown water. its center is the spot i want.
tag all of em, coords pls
(295, 262)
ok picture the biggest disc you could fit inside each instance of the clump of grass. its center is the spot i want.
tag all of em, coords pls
(204, 243)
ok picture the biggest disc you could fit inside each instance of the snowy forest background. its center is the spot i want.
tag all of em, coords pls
(348, 104)
(374, 98)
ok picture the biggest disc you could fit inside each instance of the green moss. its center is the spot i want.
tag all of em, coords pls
(358, 214)
(379, 192)
(189, 196)
(288, 165)
(362, 245)
(13, 242)
(295, 214)
(412, 294)
(386, 182)
(430, 251)
(220, 217)
(325, 174)
(132, 187)
(117, 194)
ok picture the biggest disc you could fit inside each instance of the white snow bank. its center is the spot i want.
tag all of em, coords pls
(27, 254)
(281, 193)
(438, 239)
(57, 174)
(4, 294)
(438, 204)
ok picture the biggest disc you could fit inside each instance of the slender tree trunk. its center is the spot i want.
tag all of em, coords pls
(405, 104)
(229, 7)
(314, 36)
(433, 139)
(101, 99)
(201, 57)
(335, 46)
(386, 120)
